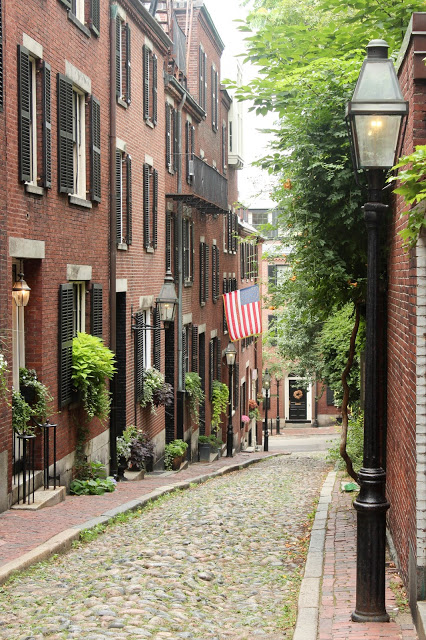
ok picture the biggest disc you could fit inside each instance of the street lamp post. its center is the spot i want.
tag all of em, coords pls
(266, 386)
(374, 117)
(230, 354)
(278, 407)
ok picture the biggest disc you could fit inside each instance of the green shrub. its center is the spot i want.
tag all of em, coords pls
(95, 486)
(354, 445)
(195, 394)
(172, 450)
(220, 395)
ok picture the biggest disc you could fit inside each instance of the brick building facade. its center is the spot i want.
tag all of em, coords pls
(116, 172)
(406, 387)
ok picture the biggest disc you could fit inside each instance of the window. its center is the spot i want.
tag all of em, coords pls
(272, 330)
(79, 307)
(18, 333)
(204, 273)
(80, 9)
(202, 79)
(150, 207)
(215, 98)
(142, 349)
(33, 128)
(277, 273)
(122, 62)
(123, 190)
(188, 251)
(149, 85)
(72, 142)
(171, 139)
(329, 397)
(215, 273)
(248, 261)
(189, 151)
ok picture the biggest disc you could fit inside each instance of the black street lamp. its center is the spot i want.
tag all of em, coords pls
(266, 386)
(374, 117)
(278, 407)
(230, 354)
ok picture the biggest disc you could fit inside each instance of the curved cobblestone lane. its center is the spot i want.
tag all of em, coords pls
(209, 563)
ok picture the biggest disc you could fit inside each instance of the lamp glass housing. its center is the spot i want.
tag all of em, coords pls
(167, 300)
(21, 292)
(376, 111)
(230, 354)
(266, 380)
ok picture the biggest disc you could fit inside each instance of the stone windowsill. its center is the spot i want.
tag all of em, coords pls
(78, 24)
(79, 202)
(34, 189)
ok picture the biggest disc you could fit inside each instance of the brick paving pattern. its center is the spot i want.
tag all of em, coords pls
(338, 586)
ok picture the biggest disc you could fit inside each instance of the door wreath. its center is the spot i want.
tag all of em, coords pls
(298, 394)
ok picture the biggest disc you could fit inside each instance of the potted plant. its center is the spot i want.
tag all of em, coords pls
(123, 455)
(244, 421)
(155, 391)
(253, 410)
(35, 393)
(21, 415)
(220, 395)
(174, 453)
(92, 364)
(195, 394)
(204, 448)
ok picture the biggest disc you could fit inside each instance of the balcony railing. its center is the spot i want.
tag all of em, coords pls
(209, 184)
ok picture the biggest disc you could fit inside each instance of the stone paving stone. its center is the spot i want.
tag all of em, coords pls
(212, 562)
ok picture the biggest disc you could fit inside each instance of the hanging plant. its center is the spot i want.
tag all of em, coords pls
(195, 394)
(92, 364)
(41, 399)
(220, 395)
(155, 391)
(21, 415)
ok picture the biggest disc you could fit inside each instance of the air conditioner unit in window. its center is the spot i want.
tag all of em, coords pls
(191, 168)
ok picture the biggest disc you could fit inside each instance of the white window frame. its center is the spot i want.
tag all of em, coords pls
(77, 8)
(79, 145)
(79, 307)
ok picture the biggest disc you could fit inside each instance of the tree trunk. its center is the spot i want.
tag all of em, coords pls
(345, 419)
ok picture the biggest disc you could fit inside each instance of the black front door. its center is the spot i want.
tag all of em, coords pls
(297, 400)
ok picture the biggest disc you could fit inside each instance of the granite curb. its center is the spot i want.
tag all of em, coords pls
(310, 589)
(63, 541)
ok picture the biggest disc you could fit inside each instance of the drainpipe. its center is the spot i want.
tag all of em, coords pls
(181, 381)
(112, 237)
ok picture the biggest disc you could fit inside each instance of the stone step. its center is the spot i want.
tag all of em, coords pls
(132, 476)
(42, 498)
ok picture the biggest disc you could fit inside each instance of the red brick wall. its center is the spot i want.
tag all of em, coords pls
(401, 410)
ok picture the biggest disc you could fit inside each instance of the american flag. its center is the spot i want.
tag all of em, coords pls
(242, 309)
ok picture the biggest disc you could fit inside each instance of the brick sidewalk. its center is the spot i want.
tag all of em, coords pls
(338, 586)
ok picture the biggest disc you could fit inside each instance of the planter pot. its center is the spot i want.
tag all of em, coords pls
(204, 452)
(121, 468)
(177, 461)
(219, 452)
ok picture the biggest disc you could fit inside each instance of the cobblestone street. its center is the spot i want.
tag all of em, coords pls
(213, 562)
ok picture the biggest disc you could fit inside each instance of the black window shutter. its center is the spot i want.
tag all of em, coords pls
(211, 368)
(200, 76)
(176, 248)
(154, 208)
(187, 149)
(217, 293)
(24, 114)
(194, 348)
(146, 202)
(118, 196)
(145, 55)
(191, 275)
(184, 353)
(228, 231)
(154, 89)
(95, 149)
(202, 272)
(236, 385)
(213, 94)
(214, 273)
(242, 260)
(139, 356)
(168, 241)
(168, 138)
(207, 260)
(330, 396)
(95, 16)
(185, 242)
(205, 80)
(65, 137)
(66, 306)
(218, 359)
(128, 66)
(96, 320)
(224, 148)
(118, 56)
(129, 200)
(157, 339)
(176, 158)
(47, 126)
